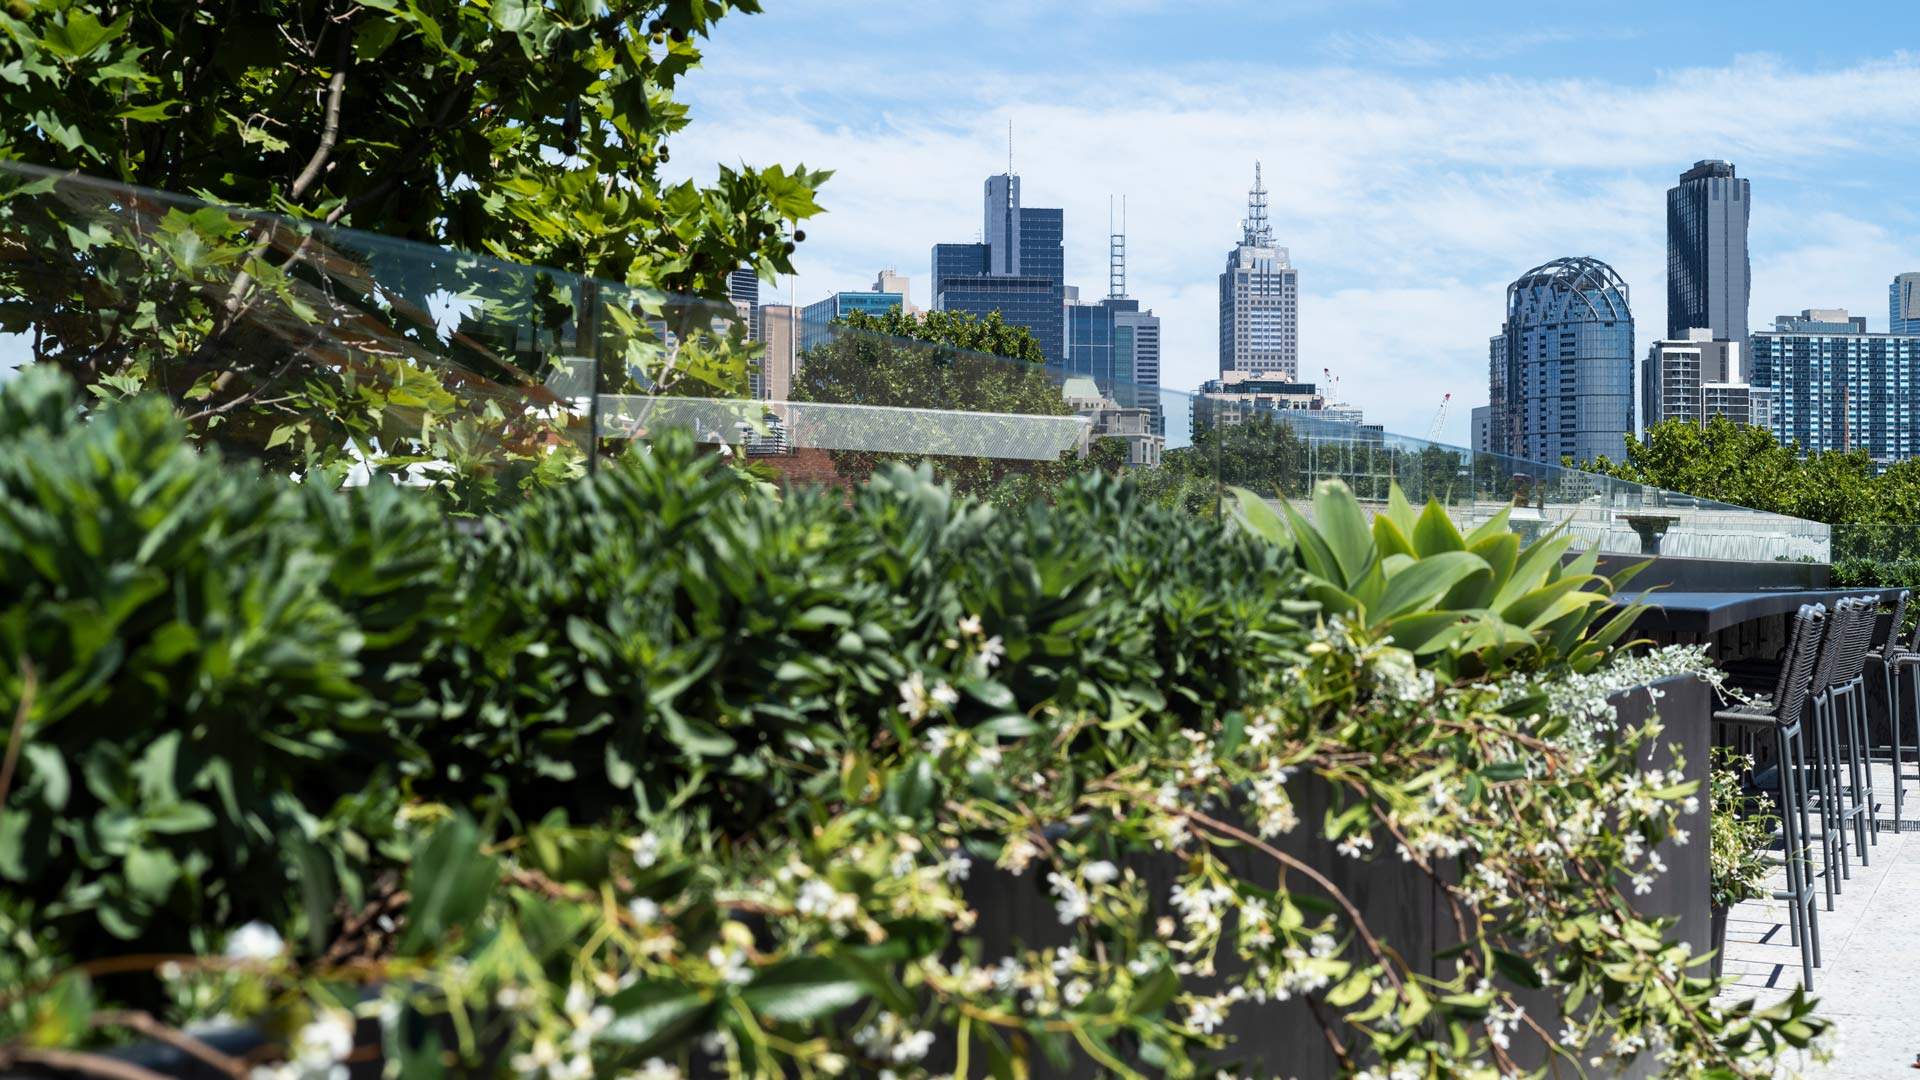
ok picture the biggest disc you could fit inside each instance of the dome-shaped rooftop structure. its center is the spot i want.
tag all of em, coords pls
(1576, 288)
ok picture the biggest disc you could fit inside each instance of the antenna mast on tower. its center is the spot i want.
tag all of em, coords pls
(1258, 232)
(1009, 146)
(1117, 251)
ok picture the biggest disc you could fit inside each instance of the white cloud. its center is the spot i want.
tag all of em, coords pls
(1408, 202)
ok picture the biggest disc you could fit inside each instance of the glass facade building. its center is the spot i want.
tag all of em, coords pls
(1833, 386)
(1903, 305)
(1708, 271)
(1561, 370)
(816, 318)
(1023, 245)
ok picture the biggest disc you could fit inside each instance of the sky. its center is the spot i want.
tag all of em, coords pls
(1419, 156)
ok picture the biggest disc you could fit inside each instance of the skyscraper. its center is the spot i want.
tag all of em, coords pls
(1259, 298)
(1836, 387)
(1903, 305)
(1561, 369)
(1018, 270)
(1116, 343)
(1707, 266)
(773, 377)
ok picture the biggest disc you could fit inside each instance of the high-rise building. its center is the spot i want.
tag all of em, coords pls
(1707, 266)
(1561, 370)
(744, 284)
(774, 377)
(1483, 429)
(1259, 298)
(817, 318)
(1697, 379)
(1019, 269)
(1836, 387)
(889, 281)
(1903, 305)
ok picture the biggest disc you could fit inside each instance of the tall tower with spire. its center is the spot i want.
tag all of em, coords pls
(1259, 298)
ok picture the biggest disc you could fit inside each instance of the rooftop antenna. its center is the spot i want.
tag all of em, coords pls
(1117, 251)
(1258, 232)
(1009, 146)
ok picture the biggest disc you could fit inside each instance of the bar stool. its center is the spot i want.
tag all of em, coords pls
(1846, 729)
(1906, 659)
(1884, 657)
(1782, 717)
(1821, 780)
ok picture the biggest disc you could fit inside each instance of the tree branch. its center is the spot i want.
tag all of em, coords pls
(145, 1024)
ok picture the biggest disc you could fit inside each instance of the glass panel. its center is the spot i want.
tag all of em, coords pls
(269, 330)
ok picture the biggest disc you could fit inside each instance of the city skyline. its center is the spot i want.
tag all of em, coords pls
(1414, 169)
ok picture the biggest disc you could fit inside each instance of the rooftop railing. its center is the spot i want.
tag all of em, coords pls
(326, 350)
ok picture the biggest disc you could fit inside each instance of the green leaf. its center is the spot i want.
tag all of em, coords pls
(910, 790)
(803, 988)
(158, 111)
(1425, 581)
(61, 1013)
(651, 1016)
(1341, 522)
(79, 35)
(51, 771)
(1259, 519)
(1152, 993)
(1435, 532)
(449, 881)
(151, 872)
(176, 818)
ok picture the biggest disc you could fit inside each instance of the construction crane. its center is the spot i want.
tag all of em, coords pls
(1439, 419)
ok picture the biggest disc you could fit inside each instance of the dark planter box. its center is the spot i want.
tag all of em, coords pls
(1404, 908)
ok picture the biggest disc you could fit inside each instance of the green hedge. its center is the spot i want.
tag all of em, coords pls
(235, 672)
(660, 771)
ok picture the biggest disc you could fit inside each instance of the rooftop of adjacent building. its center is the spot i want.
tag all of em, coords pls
(1820, 321)
(1710, 167)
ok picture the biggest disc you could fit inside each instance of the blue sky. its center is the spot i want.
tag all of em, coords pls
(1420, 156)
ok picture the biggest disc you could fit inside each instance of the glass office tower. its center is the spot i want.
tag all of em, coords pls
(1708, 271)
(1023, 256)
(1561, 369)
(1903, 305)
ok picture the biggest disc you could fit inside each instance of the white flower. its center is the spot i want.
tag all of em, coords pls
(958, 868)
(945, 695)
(256, 942)
(1100, 873)
(731, 964)
(991, 651)
(1073, 904)
(645, 848)
(655, 1069)
(1354, 845)
(644, 911)
(1261, 732)
(912, 1047)
(1076, 991)
(1205, 1014)
(913, 697)
(938, 739)
(970, 626)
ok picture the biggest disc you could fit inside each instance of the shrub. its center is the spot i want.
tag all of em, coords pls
(659, 773)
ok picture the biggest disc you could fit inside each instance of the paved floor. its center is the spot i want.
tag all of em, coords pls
(1868, 981)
